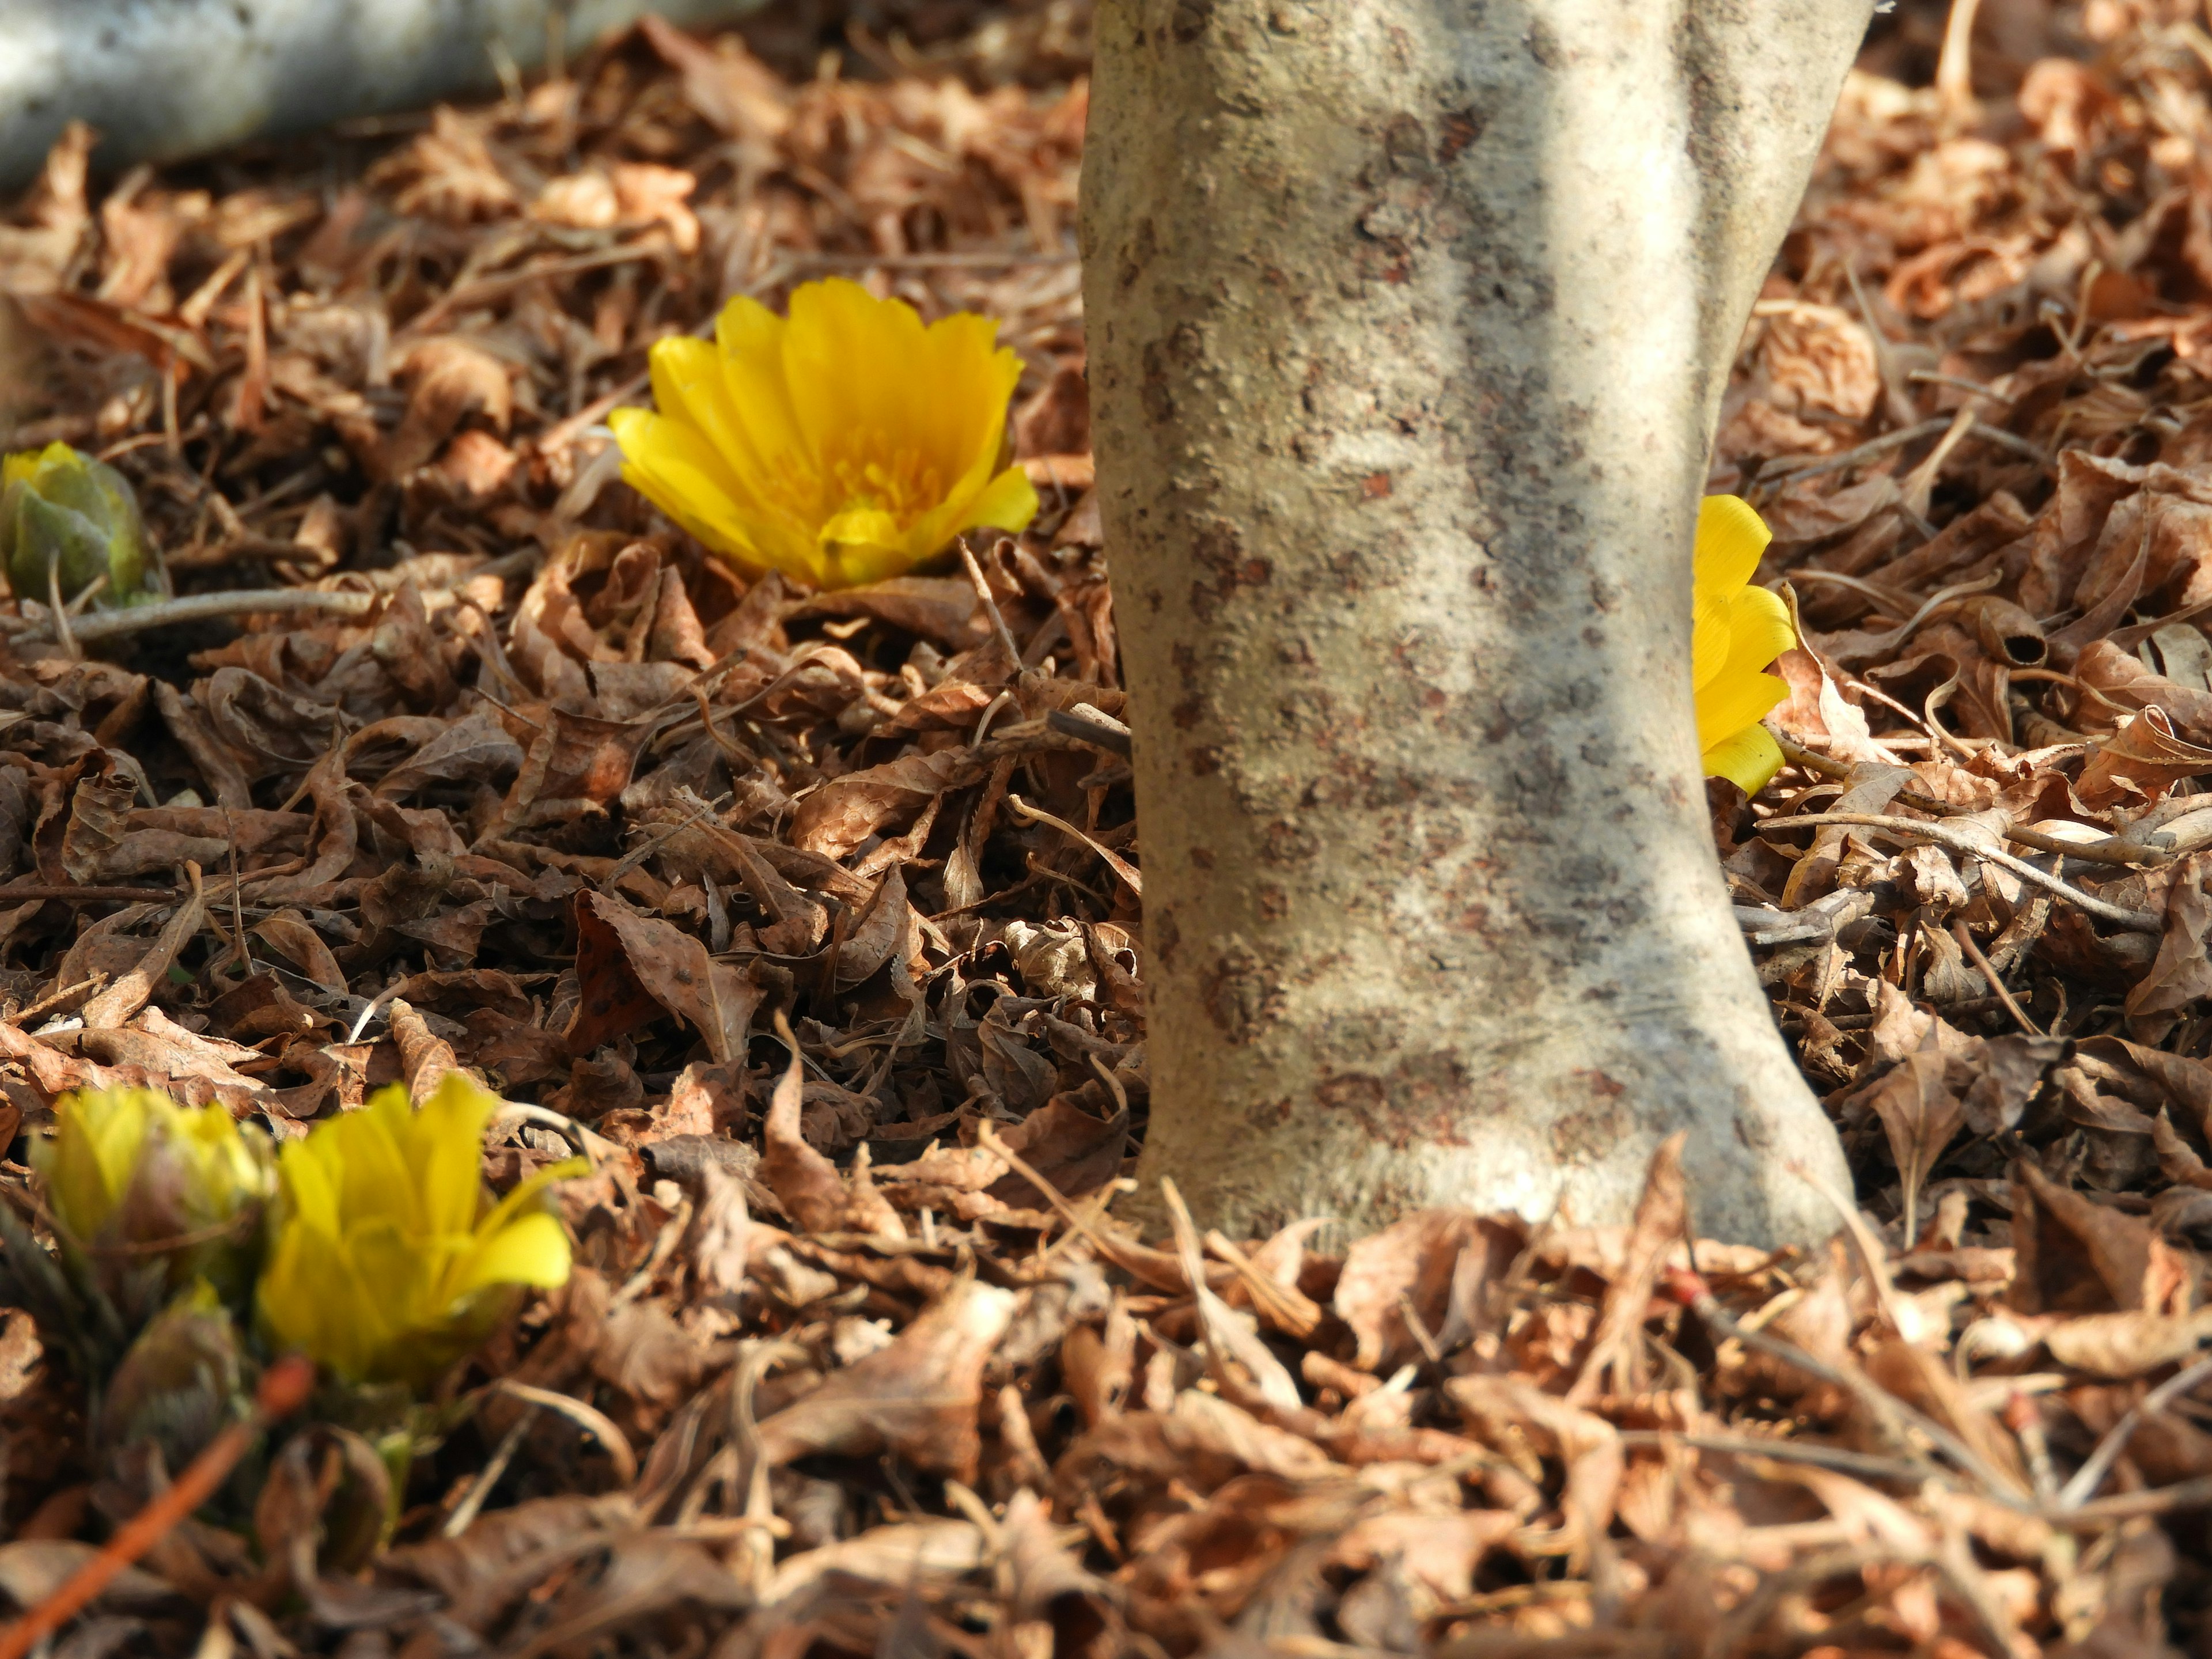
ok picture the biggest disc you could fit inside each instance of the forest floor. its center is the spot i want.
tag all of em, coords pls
(542, 791)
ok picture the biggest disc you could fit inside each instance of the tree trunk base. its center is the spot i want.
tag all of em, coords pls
(1407, 325)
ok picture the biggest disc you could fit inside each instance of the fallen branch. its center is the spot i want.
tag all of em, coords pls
(2140, 922)
(2111, 850)
(204, 607)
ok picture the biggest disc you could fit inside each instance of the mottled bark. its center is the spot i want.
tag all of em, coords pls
(1408, 322)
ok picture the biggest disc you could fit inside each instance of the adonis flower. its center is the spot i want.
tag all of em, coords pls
(390, 1262)
(1740, 629)
(132, 1167)
(844, 445)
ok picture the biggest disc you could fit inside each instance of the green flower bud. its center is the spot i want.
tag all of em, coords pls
(59, 508)
(181, 1383)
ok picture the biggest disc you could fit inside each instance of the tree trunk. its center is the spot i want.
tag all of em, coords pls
(1409, 321)
(162, 79)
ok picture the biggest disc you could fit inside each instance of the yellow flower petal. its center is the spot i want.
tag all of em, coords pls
(131, 1166)
(1738, 630)
(532, 1250)
(675, 468)
(843, 444)
(1731, 537)
(1749, 759)
(1734, 702)
(1759, 627)
(388, 1262)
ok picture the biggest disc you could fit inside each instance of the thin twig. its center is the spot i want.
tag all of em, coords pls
(122, 893)
(1100, 731)
(2012, 440)
(285, 1389)
(956, 259)
(1873, 449)
(2140, 922)
(565, 431)
(990, 606)
(204, 607)
(466, 1512)
(1842, 1458)
(1692, 1292)
(64, 630)
(2087, 1479)
(1996, 983)
(1930, 377)
(2193, 1493)
(1120, 867)
(589, 1418)
(2111, 850)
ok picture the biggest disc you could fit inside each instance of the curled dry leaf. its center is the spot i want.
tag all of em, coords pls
(919, 1397)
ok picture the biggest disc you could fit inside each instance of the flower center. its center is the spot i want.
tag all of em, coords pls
(866, 473)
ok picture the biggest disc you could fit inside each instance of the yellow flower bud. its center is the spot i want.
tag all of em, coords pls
(59, 508)
(843, 445)
(389, 1262)
(131, 1166)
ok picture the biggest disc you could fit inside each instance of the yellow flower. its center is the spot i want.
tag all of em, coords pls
(843, 446)
(389, 1263)
(1740, 630)
(131, 1165)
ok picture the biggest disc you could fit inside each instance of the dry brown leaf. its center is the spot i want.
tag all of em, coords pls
(1408, 1265)
(918, 1397)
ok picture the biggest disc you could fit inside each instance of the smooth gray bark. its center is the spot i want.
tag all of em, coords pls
(162, 79)
(1409, 321)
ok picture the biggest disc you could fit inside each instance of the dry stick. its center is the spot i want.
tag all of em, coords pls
(589, 1418)
(285, 1389)
(566, 430)
(2012, 440)
(2140, 922)
(990, 606)
(2091, 1474)
(1134, 1259)
(1873, 449)
(1930, 377)
(955, 259)
(54, 1000)
(2111, 850)
(1692, 1292)
(1131, 878)
(1100, 731)
(1974, 955)
(203, 607)
(16, 892)
(1865, 1465)
(465, 1513)
(2193, 1493)
(58, 611)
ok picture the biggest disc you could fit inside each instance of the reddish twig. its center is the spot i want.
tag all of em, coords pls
(284, 1390)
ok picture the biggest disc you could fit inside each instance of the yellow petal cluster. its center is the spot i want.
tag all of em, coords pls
(1740, 629)
(389, 1262)
(131, 1165)
(839, 446)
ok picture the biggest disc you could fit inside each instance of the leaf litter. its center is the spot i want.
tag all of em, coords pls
(813, 922)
